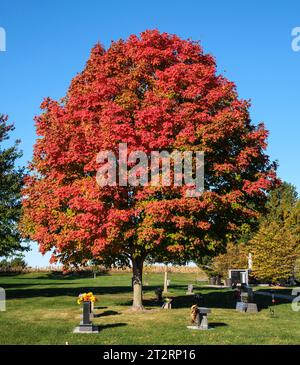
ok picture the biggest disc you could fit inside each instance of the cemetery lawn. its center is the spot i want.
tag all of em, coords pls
(42, 309)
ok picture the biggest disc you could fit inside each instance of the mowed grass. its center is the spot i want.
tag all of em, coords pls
(42, 309)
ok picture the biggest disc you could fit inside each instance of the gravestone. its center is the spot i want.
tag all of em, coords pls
(228, 282)
(246, 303)
(244, 297)
(241, 306)
(190, 289)
(212, 280)
(2, 300)
(92, 306)
(252, 308)
(199, 318)
(203, 321)
(158, 293)
(237, 294)
(86, 317)
(92, 310)
(167, 304)
(86, 325)
(250, 295)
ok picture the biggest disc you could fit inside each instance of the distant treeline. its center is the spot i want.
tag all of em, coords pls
(20, 266)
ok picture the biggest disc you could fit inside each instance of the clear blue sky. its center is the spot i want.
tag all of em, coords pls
(48, 42)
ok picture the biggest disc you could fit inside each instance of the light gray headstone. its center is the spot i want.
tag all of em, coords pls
(252, 308)
(2, 300)
(241, 306)
(190, 289)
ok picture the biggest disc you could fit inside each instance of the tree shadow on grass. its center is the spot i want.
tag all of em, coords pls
(217, 324)
(72, 276)
(9, 274)
(107, 326)
(111, 325)
(285, 291)
(211, 298)
(221, 298)
(55, 275)
(11, 286)
(28, 290)
(64, 291)
(106, 313)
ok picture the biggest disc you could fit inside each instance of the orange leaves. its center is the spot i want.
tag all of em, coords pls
(153, 92)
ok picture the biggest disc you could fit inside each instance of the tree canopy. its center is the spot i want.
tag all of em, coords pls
(276, 245)
(11, 180)
(153, 92)
(235, 257)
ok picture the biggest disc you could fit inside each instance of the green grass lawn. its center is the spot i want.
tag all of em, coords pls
(42, 309)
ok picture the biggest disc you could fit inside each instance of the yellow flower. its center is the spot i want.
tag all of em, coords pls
(86, 297)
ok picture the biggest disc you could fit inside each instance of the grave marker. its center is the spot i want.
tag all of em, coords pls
(2, 300)
(158, 293)
(86, 325)
(199, 318)
(190, 289)
(167, 304)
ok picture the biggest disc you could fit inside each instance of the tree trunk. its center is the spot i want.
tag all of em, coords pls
(166, 280)
(137, 281)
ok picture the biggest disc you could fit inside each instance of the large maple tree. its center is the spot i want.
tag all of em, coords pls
(153, 92)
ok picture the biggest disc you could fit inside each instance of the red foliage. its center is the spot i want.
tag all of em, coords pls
(153, 92)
